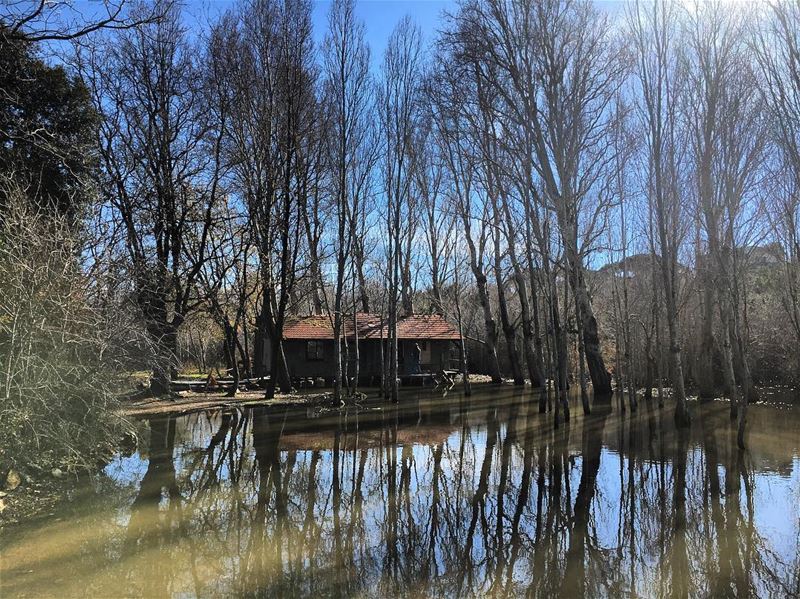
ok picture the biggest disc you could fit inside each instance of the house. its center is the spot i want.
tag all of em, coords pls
(427, 345)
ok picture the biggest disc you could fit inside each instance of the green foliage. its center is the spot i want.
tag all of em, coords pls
(47, 129)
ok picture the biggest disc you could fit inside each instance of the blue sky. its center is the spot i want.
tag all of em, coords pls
(379, 16)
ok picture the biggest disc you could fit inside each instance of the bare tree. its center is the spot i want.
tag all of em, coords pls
(776, 48)
(60, 20)
(556, 72)
(658, 77)
(448, 92)
(623, 141)
(437, 221)
(506, 322)
(499, 190)
(156, 176)
(727, 138)
(274, 154)
(399, 114)
(457, 267)
(227, 286)
(350, 151)
(250, 145)
(296, 139)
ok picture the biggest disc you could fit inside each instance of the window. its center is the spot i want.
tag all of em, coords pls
(314, 351)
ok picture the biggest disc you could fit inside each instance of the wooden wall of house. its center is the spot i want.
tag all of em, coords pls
(300, 366)
(433, 359)
(296, 352)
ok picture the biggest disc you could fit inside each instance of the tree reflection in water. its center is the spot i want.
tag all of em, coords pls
(454, 497)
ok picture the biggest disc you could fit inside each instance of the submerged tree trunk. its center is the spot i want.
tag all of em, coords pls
(356, 348)
(650, 367)
(563, 345)
(490, 326)
(509, 331)
(742, 361)
(462, 347)
(601, 379)
(626, 315)
(533, 358)
(659, 356)
(581, 367)
(682, 417)
(706, 385)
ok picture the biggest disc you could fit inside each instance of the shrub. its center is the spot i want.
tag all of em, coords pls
(60, 362)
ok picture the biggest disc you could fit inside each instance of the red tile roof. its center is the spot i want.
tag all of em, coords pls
(429, 326)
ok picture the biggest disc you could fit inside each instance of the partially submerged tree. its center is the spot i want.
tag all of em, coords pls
(450, 92)
(727, 142)
(555, 70)
(776, 47)
(658, 76)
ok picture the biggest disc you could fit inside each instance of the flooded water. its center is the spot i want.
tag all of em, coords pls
(441, 497)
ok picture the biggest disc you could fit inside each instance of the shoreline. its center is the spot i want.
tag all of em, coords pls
(185, 402)
(35, 497)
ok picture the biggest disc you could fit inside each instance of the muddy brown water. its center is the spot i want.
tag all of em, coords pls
(443, 496)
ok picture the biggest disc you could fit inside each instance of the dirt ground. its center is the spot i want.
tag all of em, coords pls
(192, 401)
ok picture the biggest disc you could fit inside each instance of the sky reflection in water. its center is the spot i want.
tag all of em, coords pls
(443, 497)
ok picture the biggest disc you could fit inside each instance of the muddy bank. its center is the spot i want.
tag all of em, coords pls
(192, 401)
(29, 494)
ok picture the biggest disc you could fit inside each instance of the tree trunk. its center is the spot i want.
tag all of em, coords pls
(490, 326)
(356, 349)
(649, 369)
(682, 417)
(533, 358)
(337, 348)
(261, 339)
(462, 348)
(601, 379)
(230, 342)
(358, 246)
(742, 362)
(706, 385)
(581, 367)
(508, 329)
(727, 362)
(164, 370)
